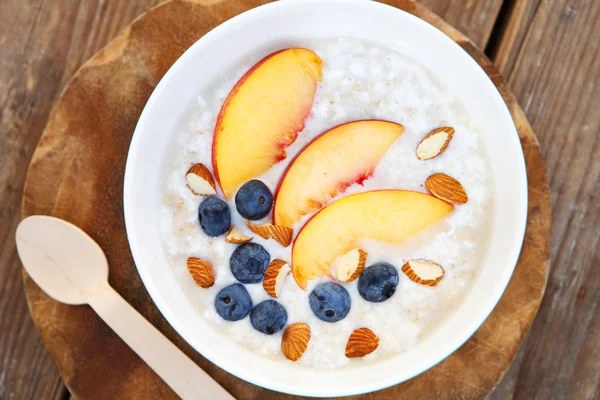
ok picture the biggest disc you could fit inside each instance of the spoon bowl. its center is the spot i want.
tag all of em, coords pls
(61, 259)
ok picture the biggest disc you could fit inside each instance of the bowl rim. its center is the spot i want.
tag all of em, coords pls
(128, 189)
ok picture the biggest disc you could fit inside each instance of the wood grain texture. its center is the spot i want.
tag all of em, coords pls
(42, 43)
(474, 18)
(84, 149)
(556, 76)
(511, 30)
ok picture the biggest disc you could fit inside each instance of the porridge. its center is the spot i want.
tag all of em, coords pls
(372, 220)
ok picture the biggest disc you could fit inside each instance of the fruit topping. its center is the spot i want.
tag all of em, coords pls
(435, 143)
(281, 234)
(349, 266)
(254, 200)
(275, 276)
(268, 317)
(361, 342)
(235, 236)
(424, 272)
(249, 262)
(330, 302)
(295, 340)
(378, 282)
(338, 158)
(201, 271)
(262, 116)
(446, 188)
(214, 216)
(200, 181)
(233, 302)
(385, 215)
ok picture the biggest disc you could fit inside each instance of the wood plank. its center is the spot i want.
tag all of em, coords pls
(474, 18)
(510, 33)
(42, 43)
(17, 20)
(556, 77)
(26, 371)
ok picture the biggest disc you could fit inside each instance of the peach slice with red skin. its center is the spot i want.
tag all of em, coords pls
(262, 116)
(386, 215)
(333, 161)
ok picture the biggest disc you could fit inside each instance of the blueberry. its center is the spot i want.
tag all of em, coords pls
(330, 302)
(268, 317)
(249, 262)
(233, 302)
(378, 282)
(214, 216)
(254, 200)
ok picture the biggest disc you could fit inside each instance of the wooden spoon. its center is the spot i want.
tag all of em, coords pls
(71, 268)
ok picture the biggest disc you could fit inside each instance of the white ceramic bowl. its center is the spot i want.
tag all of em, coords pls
(265, 28)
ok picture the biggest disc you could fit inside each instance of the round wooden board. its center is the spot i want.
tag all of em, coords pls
(77, 174)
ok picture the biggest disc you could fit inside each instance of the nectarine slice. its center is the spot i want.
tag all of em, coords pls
(262, 115)
(386, 215)
(329, 164)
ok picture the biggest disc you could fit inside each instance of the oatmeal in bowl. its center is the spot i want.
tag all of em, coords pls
(354, 176)
(326, 205)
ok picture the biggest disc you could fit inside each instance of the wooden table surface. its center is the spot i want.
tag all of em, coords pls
(549, 52)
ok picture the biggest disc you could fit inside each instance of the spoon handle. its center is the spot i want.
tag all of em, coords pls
(183, 376)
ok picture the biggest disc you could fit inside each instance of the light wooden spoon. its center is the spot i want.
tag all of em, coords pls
(70, 267)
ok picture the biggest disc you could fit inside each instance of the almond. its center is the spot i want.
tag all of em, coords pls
(295, 340)
(349, 266)
(423, 271)
(282, 234)
(361, 342)
(236, 236)
(434, 143)
(201, 271)
(200, 181)
(446, 188)
(275, 275)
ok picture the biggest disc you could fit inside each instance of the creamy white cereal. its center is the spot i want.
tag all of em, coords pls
(360, 81)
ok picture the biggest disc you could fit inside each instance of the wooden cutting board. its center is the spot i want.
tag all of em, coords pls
(77, 174)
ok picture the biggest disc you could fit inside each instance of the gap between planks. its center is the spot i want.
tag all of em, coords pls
(509, 32)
